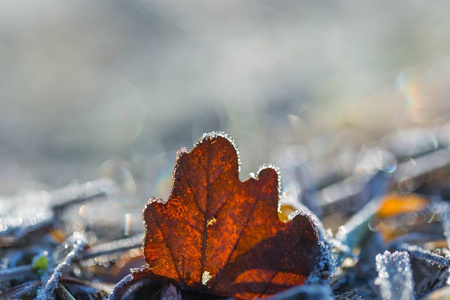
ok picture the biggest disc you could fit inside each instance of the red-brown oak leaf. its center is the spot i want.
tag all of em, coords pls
(222, 236)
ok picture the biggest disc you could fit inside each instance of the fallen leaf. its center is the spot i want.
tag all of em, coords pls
(393, 206)
(221, 236)
(396, 204)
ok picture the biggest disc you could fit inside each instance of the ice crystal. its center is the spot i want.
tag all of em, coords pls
(395, 280)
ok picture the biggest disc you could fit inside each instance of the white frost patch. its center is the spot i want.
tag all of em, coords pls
(395, 280)
(206, 277)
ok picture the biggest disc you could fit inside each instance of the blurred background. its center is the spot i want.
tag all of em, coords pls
(115, 88)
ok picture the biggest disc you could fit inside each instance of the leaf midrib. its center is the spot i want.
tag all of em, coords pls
(205, 225)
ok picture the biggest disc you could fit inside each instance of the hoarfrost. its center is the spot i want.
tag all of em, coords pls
(327, 261)
(446, 225)
(37, 210)
(76, 244)
(395, 280)
(422, 254)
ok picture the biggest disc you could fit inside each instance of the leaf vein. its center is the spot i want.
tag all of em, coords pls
(167, 244)
(192, 190)
(281, 266)
(237, 242)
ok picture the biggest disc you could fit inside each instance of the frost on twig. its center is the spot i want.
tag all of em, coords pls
(39, 210)
(75, 244)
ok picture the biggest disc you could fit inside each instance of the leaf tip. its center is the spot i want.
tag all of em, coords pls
(151, 201)
(271, 167)
(155, 200)
(220, 134)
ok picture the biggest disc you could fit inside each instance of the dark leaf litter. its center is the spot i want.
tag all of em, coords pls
(45, 254)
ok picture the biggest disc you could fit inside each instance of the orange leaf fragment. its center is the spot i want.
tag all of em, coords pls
(222, 236)
(395, 204)
(284, 211)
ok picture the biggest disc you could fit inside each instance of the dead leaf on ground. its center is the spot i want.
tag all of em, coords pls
(221, 236)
